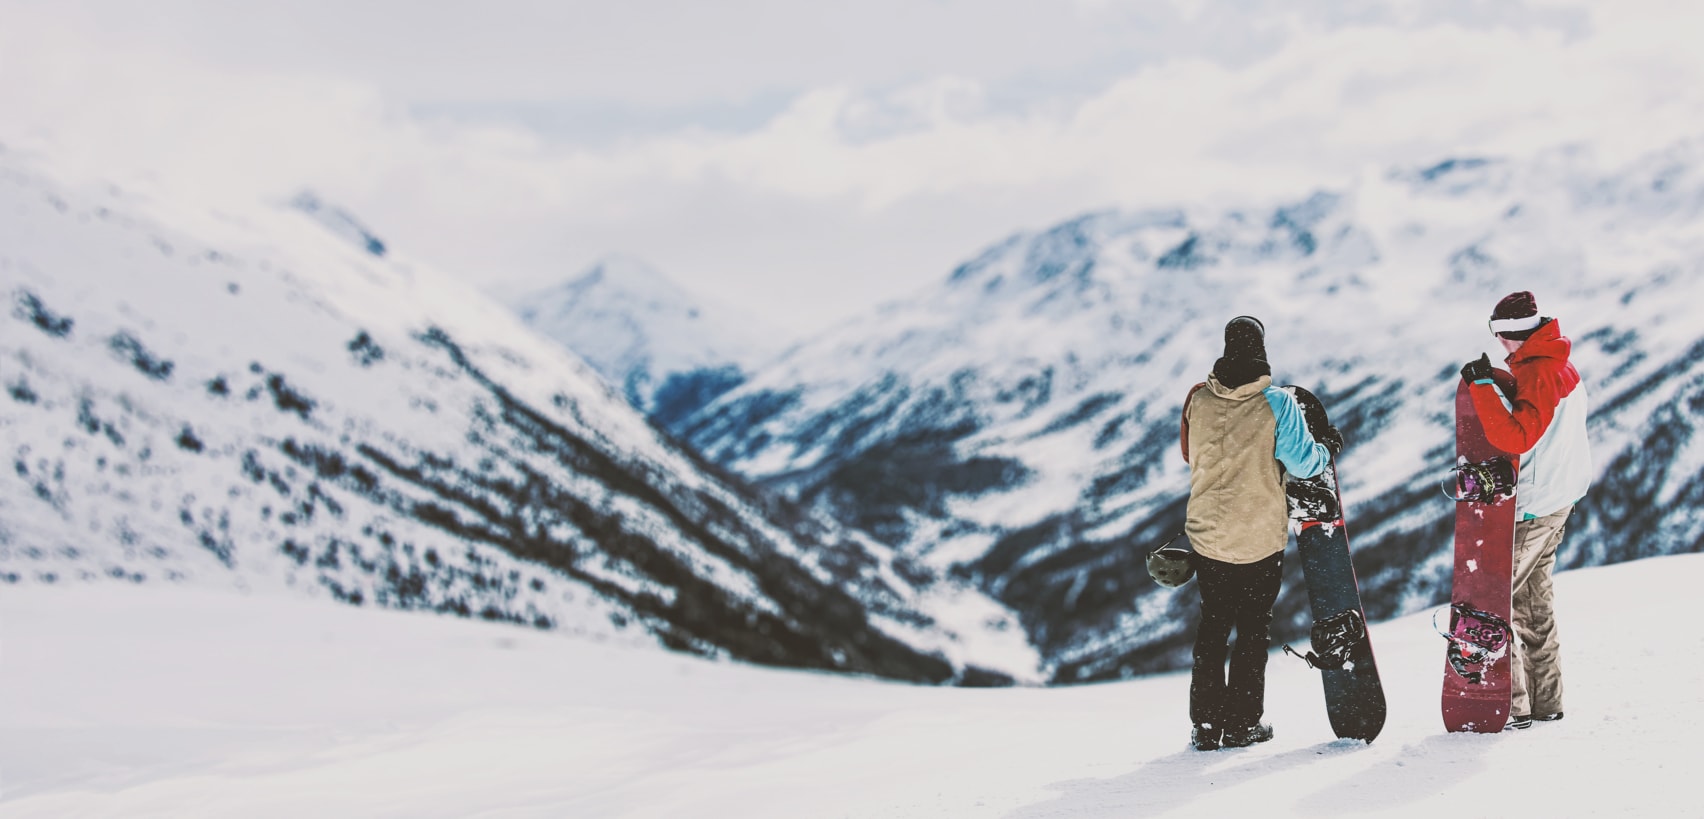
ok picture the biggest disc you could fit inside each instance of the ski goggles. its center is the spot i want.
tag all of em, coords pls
(1513, 325)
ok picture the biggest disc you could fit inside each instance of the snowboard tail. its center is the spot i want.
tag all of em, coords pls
(1342, 648)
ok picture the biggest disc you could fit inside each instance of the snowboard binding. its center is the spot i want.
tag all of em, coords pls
(1490, 481)
(1333, 638)
(1312, 500)
(1477, 639)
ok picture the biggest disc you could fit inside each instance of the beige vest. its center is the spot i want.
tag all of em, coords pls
(1237, 512)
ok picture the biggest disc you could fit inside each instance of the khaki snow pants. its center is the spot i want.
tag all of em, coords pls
(1536, 652)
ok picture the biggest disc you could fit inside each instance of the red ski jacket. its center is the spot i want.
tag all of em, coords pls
(1544, 422)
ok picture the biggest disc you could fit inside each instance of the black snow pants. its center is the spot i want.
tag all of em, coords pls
(1240, 597)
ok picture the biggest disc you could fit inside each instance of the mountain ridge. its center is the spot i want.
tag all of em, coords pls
(667, 351)
(244, 398)
(1016, 425)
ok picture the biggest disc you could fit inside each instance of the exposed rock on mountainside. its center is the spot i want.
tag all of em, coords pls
(243, 399)
(1017, 424)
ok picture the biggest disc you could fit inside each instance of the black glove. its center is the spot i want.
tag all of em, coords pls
(1478, 369)
(1333, 440)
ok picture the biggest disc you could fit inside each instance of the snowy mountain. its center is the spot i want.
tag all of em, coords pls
(240, 398)
(669, 353)
(339, 222)
(1017, 424)
(151, 702)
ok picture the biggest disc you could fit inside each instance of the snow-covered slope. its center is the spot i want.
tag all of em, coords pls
(242, 398)
(1017, 424)
(669, 353)
(340, 222)
(136, 703)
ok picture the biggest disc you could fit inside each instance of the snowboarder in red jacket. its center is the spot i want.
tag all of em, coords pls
(1544, 422)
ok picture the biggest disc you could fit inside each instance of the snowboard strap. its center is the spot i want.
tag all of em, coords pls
(1476, 640)
(1490, 481)
(1333, 638)
(1311, 499)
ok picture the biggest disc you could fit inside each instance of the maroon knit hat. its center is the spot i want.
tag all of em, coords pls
(1516, 316)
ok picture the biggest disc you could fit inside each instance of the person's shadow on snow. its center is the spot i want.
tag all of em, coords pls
(1395, 782)
(1166, 783)
(1171, 782)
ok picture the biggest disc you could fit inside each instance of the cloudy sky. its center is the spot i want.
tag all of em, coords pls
(810, 159)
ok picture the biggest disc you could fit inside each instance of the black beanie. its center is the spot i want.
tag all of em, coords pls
(1245, 353)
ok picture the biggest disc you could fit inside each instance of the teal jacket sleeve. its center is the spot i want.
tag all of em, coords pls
(1295, 448)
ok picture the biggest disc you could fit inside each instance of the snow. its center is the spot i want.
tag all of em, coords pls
(218, 294)
(262, 296)
(119, 700)
(1065, 354)
(637, 327)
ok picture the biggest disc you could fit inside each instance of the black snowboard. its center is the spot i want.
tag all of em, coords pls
(1342, 648)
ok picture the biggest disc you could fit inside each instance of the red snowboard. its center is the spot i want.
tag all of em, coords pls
(1476, 669)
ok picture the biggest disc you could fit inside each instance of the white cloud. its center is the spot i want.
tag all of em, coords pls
(855, 190)
(1323, 107)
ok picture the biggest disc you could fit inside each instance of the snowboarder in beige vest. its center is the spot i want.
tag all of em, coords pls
(1240, 434)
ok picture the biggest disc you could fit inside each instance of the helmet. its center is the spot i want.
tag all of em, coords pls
(1171, 565)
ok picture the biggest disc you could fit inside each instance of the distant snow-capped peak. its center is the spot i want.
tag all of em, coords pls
(235, 397)
(1017, 423)
(637, 327)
